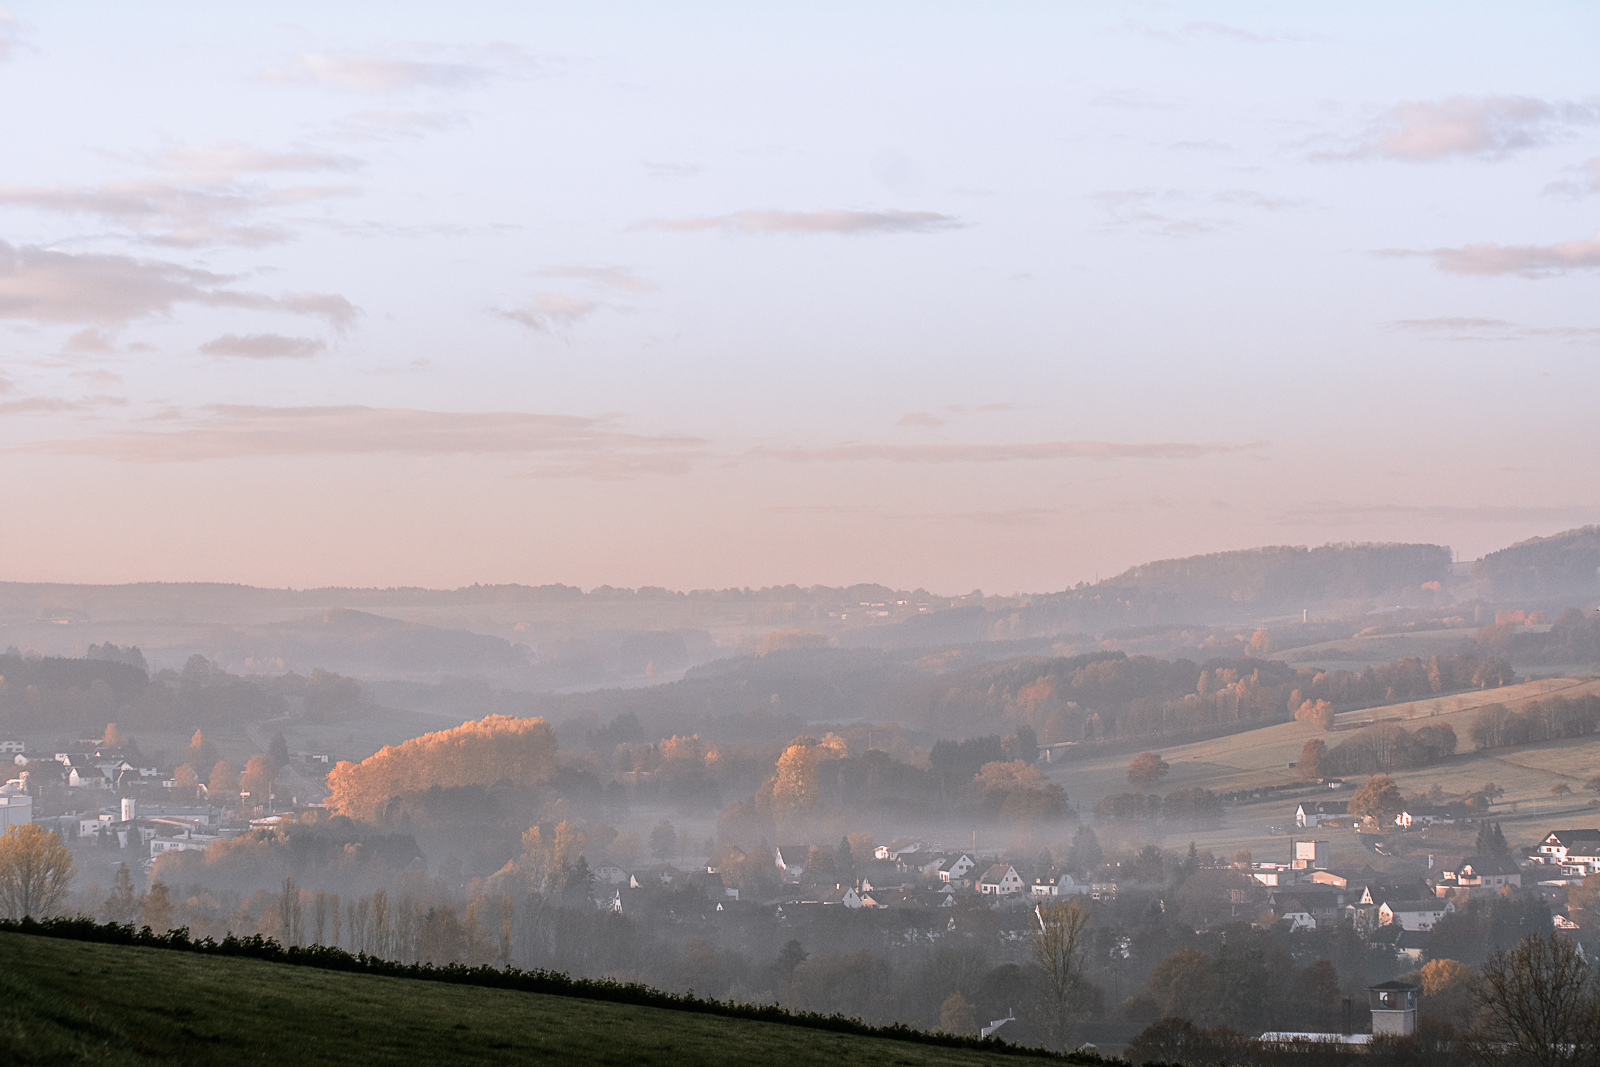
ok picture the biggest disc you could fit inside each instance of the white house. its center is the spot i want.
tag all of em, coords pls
(1000, 880)
(1312, 814)
(1565, 846)
(190, 842)
(956, 869)
(1426, 815)
(1058, 886)
(1414, 914)
(791, 859)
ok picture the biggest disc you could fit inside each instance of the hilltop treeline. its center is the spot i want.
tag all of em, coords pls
(1565, 564)
(64, 697)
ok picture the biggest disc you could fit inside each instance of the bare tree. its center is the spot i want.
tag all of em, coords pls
(1058, 947)
(1537, 1005)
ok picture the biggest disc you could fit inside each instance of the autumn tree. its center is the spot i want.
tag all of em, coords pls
(155, 908)
(1318, 713)
(257, 778)
(35, 872)
(496, 749)
(957, 1015)
(1312, 756)
(223, 785)
(1146, 770)
(185, 783)
(1378, 799)
(794, 786)
(1057, 946)
(114, 738)
(202, 753)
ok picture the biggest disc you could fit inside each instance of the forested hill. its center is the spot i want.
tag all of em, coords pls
(1562, 565)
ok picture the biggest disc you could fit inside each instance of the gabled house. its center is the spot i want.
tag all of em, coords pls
(1000, 880)
(791, 859)
(955, 870)
(1559, 844)
(610, 875)
(1413, 914)
(1056, 886)
(1481, 876)
(1314, 813)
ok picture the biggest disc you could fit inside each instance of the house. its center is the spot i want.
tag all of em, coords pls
(712, 884)
(610, 875)
(893, 849)
(12, 748)
(88, 778)
(1000, 880)
(1060, 885)
(1427, 815)
(1480, 876)
(1413, 914)
(1413, 944)
(791, 859)
(1314, 813)
(1102, 891)
(955, 871)
(1559, 844)
(16, 806)
(1309, 855)
(921, 861)
(1298, 914)
(189, 842)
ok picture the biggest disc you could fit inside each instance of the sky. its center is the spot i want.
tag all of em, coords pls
(1004, 296)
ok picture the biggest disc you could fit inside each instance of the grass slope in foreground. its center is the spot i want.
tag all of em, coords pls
(68, 1002)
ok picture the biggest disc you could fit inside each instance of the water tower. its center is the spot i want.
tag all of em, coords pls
(1394, 1008)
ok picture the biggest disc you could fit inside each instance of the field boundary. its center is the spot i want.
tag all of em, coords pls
(549, 983)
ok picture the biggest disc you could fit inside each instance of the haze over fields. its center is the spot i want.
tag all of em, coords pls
(1077, 518)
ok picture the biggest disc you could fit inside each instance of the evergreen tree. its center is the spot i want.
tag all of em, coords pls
(1491, 841)
(121, 906)
(279, 751)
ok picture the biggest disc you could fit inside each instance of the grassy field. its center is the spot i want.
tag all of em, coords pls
(68, 1002)
(1262, 757)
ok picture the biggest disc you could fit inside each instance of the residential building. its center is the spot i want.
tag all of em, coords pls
(1314, 813)
(12, 748)
(1414, 914)
(955, 870)
(1480, 876)
(1000, 880)
(16, 806)
(1558, 845)
(1056, 886)
(1418, 815)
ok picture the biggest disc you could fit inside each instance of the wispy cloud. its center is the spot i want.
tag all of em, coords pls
(1491, 127)
(1340, 511)
(924, 419)
(51, 405)
(264, 346)
(620, 279)
(1530, 261)
(201, 196)
(1203, 30)
(1476, 329)
(557, 445)
(354, 72)
(671, 170)
(49, 285)
(832, 221)
(968, 453)
(10, 35)
(1588, 183)
(550, 312)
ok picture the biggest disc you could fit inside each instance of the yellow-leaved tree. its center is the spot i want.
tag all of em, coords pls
(499, 748)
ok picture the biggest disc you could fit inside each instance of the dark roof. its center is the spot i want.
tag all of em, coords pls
(1567, 837)
(1482, 865)
(1395, 986)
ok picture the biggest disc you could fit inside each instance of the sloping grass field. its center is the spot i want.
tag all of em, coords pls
(1262, 757)
(70, 1002)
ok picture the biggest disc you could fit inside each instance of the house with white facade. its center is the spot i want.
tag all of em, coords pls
(1056, 886)
(955, 870)
(1000, 880)
(1314, 813)
(1571, 848)
(1413, 914)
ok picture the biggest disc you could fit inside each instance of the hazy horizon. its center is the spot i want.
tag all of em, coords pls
(719, 297)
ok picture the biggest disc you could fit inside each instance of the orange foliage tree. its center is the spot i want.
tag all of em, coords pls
(500, 748)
